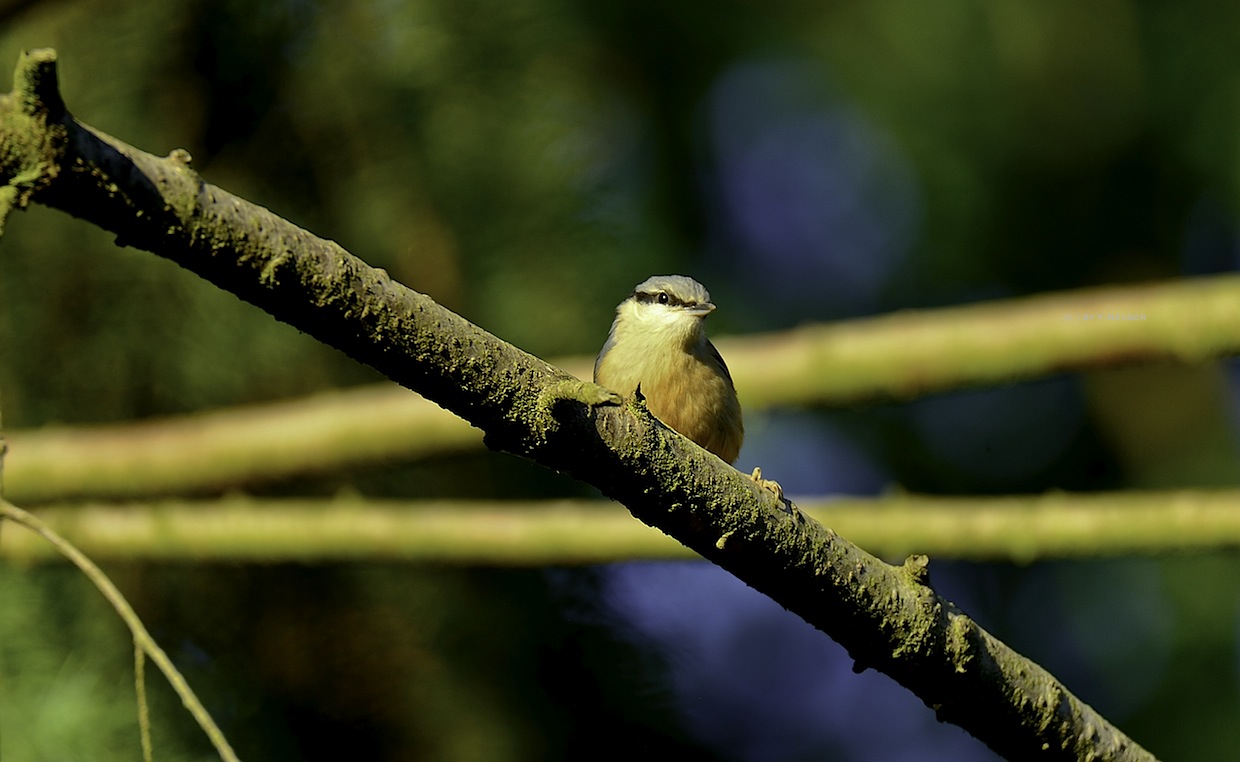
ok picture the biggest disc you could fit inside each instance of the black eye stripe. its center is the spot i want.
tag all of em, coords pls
(659, 297)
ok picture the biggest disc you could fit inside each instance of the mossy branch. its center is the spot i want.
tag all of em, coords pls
(886, 616)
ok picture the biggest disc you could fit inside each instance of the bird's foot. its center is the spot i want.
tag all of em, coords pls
(550, 407)
(574, 390)
(778, 491)
(770, 484)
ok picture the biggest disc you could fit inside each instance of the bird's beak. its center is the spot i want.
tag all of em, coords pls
(702, 310)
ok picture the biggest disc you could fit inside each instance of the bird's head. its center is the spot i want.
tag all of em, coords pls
(668, 304)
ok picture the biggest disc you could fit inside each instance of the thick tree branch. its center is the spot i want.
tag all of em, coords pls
(887, 617)
(1012, 529)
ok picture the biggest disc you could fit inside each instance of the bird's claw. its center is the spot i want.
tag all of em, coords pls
(773, 486)
(769, 484)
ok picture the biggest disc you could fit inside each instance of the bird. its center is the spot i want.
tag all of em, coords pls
(658, 345)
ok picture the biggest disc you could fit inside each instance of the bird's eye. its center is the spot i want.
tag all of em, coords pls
(663, 298)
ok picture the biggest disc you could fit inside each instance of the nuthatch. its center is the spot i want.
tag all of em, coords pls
(658, 341)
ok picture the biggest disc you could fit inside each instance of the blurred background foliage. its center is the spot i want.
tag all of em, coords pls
(526, 163)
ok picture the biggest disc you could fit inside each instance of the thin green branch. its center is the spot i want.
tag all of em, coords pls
(142, 639)
(1013, 529)
(908, 354)
(144, 708)
(239, 446)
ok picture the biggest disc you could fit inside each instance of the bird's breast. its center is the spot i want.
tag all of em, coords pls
(690, 394)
